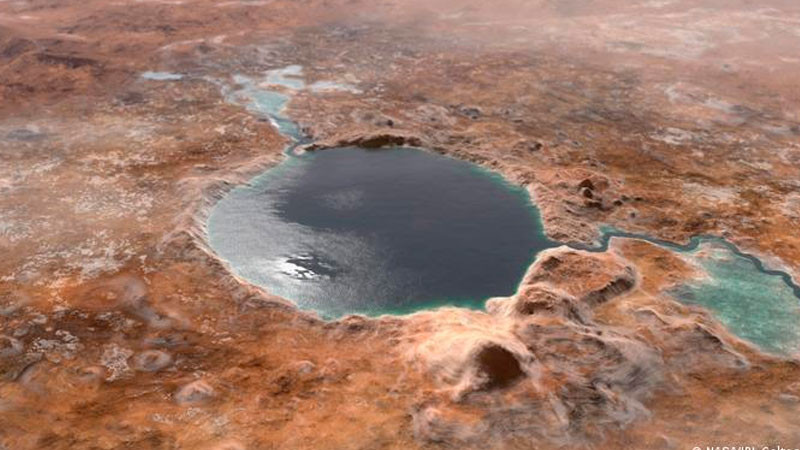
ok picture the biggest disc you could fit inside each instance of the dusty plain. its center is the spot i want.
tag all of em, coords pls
(119, 328)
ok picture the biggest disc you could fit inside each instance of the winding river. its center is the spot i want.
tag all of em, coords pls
(305, 230)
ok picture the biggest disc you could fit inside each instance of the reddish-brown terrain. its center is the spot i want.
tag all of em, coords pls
(119, 328)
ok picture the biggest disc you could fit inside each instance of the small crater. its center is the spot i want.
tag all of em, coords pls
(499, 366)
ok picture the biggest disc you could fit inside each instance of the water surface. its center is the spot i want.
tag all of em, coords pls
(352, 230)
(759, 304)
(161, 76)
(756, 306)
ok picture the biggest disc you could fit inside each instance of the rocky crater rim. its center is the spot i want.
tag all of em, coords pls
(204, 193)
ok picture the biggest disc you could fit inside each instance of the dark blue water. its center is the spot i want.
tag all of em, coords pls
(352, 230)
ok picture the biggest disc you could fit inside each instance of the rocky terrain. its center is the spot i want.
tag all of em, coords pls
(119, 328)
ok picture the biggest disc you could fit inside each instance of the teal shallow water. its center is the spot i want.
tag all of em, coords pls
(756, 306)
(759, 304)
